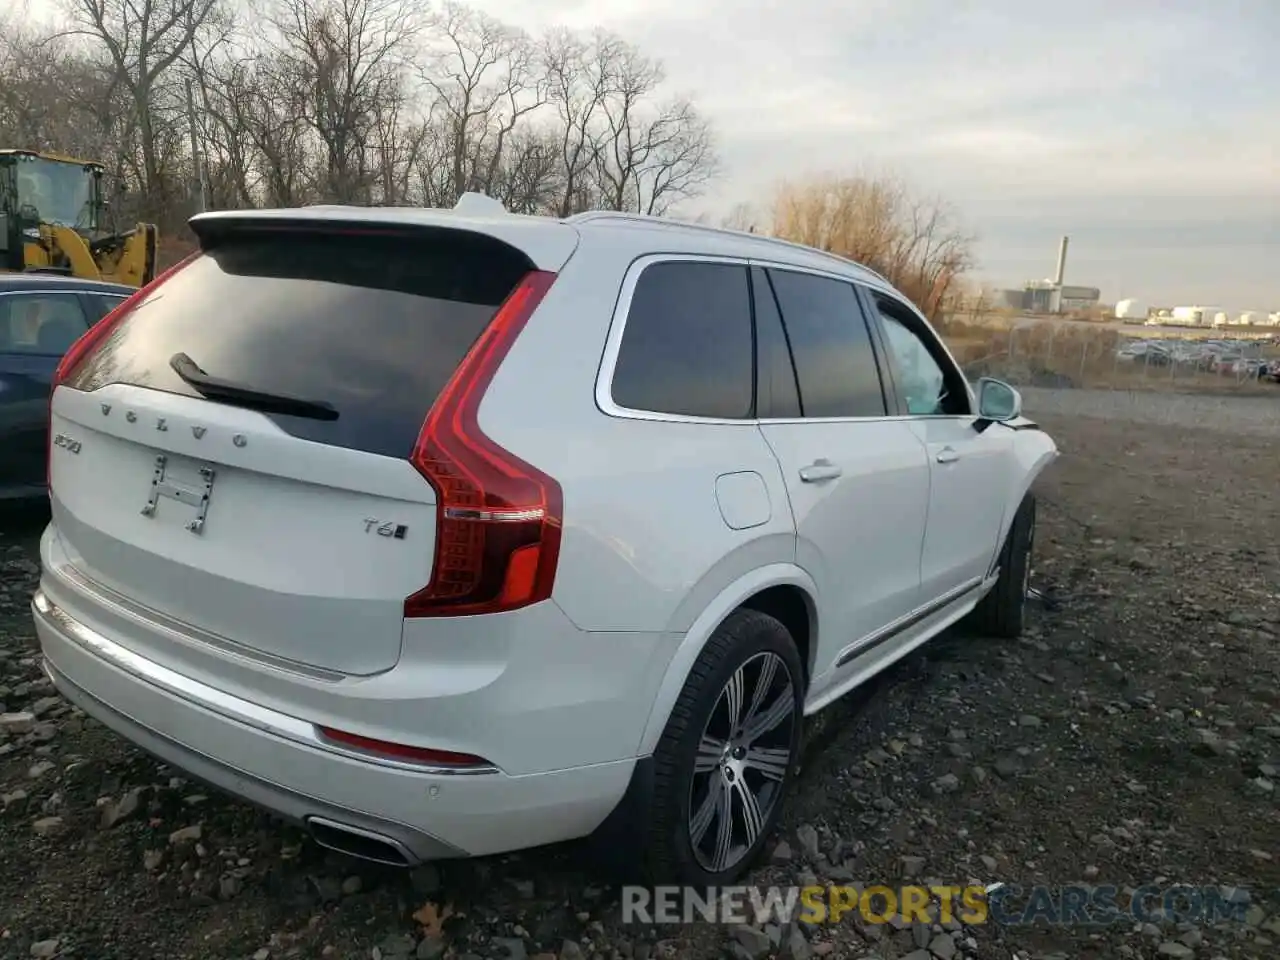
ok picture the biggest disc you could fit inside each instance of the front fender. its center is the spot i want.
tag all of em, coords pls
(1033, 451)
(700, 631)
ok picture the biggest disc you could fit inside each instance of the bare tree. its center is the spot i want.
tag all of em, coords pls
(348, 56)
(359, 101)
(649, 157)
(912, 241)
(143, 39)
(484, 81)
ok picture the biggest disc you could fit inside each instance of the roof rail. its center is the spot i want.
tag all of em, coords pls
(592, 215)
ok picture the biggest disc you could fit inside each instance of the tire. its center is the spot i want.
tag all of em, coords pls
(1002, 612)
(699, 763)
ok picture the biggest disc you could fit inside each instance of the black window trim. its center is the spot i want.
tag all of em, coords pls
(613, 343)
(934, 344)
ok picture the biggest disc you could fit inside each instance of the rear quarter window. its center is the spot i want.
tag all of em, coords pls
(687, 345)
(374, 326)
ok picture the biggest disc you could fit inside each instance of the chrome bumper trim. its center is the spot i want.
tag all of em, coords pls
(217, 701)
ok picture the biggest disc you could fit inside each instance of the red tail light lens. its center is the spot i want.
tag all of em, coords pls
(499, 519)
(400, 751)
(95, 335)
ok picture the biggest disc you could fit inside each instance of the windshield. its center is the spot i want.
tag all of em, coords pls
(61, 192)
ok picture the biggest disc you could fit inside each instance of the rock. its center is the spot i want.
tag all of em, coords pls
(808, 839)
(523, 888)
(569, 950)
(1090, 872)
(129, 804)
(1175, 950)
(911, 866)
(755, 942)
(797, 946)
(186, 835)
(1028, 720)
(397, 945)
(943, 947)
(989, 862)
(918, 955)
(947, 783)
(42, 706)
(38, 770)
(1008, 767)
(351, 886)
(45, 948)
(47, 826)
(781, 852)
(512, 947)
(1206, 743)
(1262, 785)
(431, 948)
(18, 723)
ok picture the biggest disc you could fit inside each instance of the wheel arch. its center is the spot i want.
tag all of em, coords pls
(774, 589)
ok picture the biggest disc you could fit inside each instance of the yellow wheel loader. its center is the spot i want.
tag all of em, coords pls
(51, 221)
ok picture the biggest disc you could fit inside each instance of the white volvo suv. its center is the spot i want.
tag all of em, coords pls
(452, 532)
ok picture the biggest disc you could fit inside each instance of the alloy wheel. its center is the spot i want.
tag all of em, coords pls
(742, 762)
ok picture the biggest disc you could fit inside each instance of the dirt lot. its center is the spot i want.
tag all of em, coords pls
(1132, 737)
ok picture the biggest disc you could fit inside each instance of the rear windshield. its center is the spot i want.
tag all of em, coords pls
(374, 326)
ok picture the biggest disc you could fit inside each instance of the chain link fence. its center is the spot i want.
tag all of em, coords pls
(1064, 354)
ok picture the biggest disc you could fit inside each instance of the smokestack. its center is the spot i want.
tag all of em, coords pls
(1062, 262)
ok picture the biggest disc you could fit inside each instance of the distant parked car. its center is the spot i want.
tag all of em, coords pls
(41, 315)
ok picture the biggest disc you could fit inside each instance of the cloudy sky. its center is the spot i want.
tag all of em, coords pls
(1147, 130)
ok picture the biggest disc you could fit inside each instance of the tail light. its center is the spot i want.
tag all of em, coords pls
(94, 336)
(498, 519)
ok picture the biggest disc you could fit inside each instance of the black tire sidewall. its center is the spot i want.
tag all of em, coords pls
(755, 633)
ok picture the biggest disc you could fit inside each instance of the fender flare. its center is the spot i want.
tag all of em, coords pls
(700, 631)
(1033, 459)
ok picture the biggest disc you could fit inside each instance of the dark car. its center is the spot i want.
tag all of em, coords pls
(40, 317)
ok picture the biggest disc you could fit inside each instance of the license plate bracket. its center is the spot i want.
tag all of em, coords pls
(168, 483)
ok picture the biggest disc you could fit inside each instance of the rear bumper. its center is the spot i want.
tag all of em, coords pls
(278, 762)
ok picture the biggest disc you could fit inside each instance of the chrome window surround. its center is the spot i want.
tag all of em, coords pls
(613, 345)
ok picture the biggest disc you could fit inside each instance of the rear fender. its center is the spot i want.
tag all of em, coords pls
(728, 600)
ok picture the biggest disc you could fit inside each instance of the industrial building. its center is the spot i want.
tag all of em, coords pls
(1051, 296)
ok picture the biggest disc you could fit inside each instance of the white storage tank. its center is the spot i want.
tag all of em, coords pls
(1131, 309)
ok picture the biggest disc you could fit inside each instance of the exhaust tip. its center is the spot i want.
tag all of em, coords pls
(360, 843)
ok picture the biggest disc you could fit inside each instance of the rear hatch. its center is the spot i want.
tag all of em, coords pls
(234, 451)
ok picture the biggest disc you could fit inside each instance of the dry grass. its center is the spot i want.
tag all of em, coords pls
(1076, 354)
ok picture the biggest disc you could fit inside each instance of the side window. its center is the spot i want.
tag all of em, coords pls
(100, 304)
(926, 383)
(687, 345)
(835, 362)
(777, 396)
(42, 325)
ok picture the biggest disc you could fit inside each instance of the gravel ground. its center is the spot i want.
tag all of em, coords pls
(1131, 737)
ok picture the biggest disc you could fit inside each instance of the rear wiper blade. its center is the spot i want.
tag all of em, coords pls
(228, 391)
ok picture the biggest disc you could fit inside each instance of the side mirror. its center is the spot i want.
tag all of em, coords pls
(997, 401)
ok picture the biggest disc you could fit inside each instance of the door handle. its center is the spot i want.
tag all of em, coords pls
(947, 455)
(819, 470)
